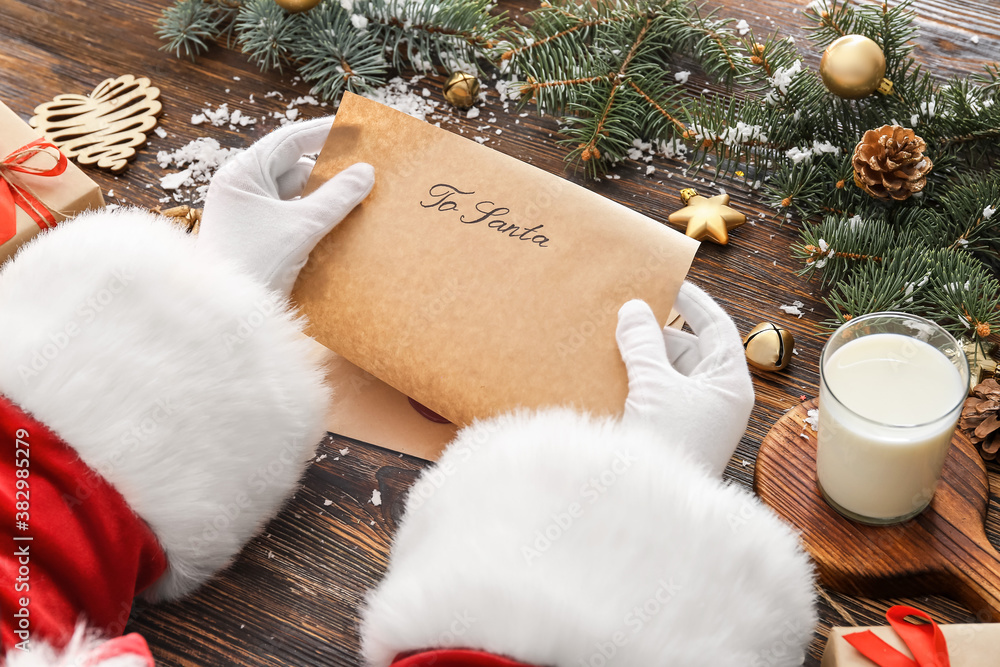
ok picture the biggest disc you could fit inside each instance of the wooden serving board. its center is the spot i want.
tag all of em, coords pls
(942, 551)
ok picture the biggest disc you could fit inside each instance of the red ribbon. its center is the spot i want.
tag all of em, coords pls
(13, 195)
(925, 641)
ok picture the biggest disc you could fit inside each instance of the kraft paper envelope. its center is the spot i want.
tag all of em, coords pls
(475, 283)
(367, 409)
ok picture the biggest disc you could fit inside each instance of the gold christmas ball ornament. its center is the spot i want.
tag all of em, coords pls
(461, 90)
(854, 67)
(296, 6)
(707, 217)
(769, 347)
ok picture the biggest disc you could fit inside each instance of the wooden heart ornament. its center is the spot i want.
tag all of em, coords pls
(105, 127)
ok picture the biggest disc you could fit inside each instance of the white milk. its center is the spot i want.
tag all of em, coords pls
(884, 438)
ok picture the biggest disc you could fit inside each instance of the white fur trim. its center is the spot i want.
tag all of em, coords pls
(564, 541)
(74, 654)
(184, 382)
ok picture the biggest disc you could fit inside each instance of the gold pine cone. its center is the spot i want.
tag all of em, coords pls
(890, 162)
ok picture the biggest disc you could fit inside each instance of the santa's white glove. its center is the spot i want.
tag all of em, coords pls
(253, 211)
(694, 388)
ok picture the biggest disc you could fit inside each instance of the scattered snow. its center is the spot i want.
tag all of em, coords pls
(794, 309)
(376, 498)
(221, 116)
(398, 95)
(198, 160)
(682, 77)
(812, 418)
(781, 79)
(176, 180)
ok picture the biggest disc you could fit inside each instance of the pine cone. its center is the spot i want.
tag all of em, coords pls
(889, 162)
(981, 417)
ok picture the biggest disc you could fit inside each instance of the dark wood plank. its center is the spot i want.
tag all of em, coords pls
(299, 606)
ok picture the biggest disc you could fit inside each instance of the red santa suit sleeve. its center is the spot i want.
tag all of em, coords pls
(558, 540)
(168, 404)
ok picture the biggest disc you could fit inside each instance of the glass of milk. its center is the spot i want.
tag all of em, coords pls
(891, 391)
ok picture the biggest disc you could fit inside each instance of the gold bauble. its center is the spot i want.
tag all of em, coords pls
(769, 347)
(461, 89)
(296, 6)
(852, 67)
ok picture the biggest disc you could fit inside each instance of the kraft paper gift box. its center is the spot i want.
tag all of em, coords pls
(472, 282)
(969, 645)
(62, 195)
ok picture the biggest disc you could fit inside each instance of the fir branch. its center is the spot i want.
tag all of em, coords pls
(963, 296)
(189, 26)
(831, 20)
(267, 33)
(335, 56)
(897, 283)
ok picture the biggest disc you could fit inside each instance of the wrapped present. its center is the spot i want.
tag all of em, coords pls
(39, 187)
(913, 639)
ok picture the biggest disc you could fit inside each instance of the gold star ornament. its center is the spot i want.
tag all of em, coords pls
(707, 217)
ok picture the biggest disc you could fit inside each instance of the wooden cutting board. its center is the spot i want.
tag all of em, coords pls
(942, 551)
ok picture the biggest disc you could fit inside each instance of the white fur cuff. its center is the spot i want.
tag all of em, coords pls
(564, 541)
(182, 381)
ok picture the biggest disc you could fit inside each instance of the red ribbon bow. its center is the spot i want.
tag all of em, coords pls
(925, 641)
(13, 195)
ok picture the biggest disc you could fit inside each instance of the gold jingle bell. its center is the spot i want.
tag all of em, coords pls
(296, 6)
(461, 89)
(769, 347)
(854, 67)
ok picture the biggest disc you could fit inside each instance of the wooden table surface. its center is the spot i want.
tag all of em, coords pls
(291, 597)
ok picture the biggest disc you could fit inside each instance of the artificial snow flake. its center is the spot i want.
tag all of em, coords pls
(794, 309)
(783, 76)
(812, 418)
(398, 95)
(376, 498)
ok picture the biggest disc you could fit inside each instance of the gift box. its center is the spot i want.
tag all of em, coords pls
(958, 645)
(39, 187)
(474, 283)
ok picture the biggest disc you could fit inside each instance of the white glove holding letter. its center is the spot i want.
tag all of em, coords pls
(254, 213)
(694, 388)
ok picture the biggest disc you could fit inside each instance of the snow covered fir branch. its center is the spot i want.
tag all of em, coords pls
(933, 252)
(606, 69)
(337, 46)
